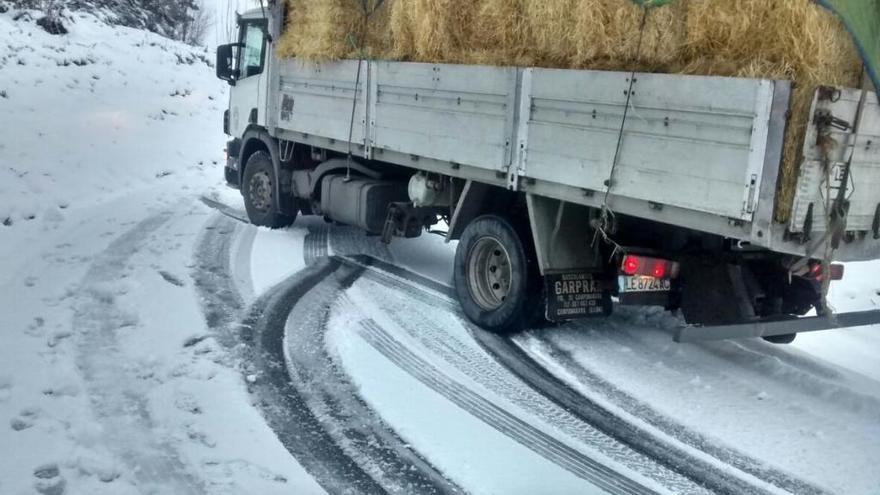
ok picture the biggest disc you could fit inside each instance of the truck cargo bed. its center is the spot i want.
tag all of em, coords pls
(697, 152)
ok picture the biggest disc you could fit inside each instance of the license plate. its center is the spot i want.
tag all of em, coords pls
(644, 284)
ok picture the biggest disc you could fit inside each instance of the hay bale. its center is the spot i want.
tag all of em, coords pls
(608, 36)
(795, 40)
(780, 39)
(322, 30)
(435, 30)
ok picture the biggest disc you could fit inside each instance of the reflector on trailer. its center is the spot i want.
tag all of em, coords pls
(837, 271)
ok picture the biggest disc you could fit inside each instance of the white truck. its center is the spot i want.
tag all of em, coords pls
(566, 188)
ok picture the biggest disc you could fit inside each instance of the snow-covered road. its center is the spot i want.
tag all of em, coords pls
(377, 351)
(169, 346)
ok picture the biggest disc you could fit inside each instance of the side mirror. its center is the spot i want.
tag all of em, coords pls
(226, 70)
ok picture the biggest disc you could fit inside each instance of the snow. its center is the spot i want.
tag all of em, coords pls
(856, 349)
(109, 98)
(781, 406)
(437, 428)
(430, 256)
(276, 256)
(445, 435)
(110, 379)
(113, 381)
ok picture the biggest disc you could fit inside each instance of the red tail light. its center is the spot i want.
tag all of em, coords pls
(659, 270)
(837, 271)
(649, 267)
(631, 265)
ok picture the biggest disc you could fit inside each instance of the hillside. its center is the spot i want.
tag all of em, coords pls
(131, 108)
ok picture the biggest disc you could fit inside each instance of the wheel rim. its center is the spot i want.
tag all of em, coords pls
(260, 189)
(489, 273)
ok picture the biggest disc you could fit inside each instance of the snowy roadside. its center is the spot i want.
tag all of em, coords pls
(110, 379)
(99, 112)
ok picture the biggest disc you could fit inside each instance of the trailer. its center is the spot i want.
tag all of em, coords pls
(567, 189)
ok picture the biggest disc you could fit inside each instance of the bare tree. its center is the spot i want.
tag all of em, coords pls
(199, 22)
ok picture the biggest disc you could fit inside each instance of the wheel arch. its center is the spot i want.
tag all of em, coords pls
(478, 199)
(254, 140)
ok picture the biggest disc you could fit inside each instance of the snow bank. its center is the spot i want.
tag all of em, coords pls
(98, 112)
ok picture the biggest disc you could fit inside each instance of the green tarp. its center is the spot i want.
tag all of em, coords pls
(862, 18)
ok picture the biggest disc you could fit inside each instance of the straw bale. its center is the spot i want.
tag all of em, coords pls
(323, 30)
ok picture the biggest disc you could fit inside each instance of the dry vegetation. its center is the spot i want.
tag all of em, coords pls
(780, 39)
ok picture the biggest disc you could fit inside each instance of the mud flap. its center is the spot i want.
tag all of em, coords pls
(714, 293)
(572, 296)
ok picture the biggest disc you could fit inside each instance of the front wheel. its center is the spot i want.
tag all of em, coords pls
(260, 194)
(492, 275)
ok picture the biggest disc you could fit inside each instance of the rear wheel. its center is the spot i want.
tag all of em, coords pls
(260, 193)
(492, 275)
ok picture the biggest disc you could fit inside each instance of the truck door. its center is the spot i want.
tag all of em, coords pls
(249, 93)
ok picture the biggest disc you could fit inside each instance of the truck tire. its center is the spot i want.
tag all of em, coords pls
(260, 196)
(493, 276)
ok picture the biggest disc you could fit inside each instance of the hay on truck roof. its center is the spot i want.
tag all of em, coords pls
(323, 30)
(797, 40)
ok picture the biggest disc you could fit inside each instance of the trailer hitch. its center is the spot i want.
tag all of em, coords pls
(771, 328)
(408, 221)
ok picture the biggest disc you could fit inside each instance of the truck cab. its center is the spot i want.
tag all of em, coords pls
(244, 64)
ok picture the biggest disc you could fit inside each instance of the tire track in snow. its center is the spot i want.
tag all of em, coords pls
(258, 343)
(222, 302)
(480, 366)
(295, 410)
(717, 478)
(335, 402)
(653, 417)
(318, 246)
(117, 394)
(285, 411)
(509, 355)
(493, 415)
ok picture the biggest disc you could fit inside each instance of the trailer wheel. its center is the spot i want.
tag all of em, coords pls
(260, 197)
(492, 275)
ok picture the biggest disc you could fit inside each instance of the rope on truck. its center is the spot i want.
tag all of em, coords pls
(368, 11)
(607, 221)
(837, 208)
